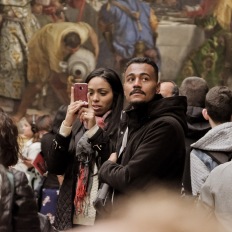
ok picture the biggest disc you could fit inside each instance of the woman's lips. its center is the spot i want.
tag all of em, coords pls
(95, 107)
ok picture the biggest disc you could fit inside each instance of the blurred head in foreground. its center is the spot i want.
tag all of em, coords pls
(159, 211)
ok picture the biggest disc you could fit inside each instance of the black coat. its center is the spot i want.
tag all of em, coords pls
(62, 160)
(51, 180)
(197, 128)
(18, 213)
(155, 150)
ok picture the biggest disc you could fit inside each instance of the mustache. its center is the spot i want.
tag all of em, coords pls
(137, 91)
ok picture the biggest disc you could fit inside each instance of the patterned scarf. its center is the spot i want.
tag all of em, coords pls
(85, 156)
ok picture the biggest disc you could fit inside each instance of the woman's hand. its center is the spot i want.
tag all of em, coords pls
(87, 115)
(113, 157)
(73, 110)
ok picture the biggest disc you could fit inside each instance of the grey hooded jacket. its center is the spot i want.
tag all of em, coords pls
(216, 194)
(201, 164)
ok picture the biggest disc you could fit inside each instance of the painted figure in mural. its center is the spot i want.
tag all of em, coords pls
(129, 26)
(17, 25)
(81, 11)
(183, 3)
(51, 13)
(63, 39)
(213, 60)
(55, 10)
(86, 11)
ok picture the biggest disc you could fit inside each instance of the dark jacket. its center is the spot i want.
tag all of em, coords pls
(18, 211)
(197, 128)
(155, 149)
(62, 160)
(51, 180)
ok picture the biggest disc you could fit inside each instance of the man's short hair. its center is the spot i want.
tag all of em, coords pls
(218, 103)
(143, 60)
(72, 39)
(195, 89)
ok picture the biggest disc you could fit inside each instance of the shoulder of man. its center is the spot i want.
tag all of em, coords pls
(169, 119)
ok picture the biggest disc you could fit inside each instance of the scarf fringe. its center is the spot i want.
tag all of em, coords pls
(81, 192)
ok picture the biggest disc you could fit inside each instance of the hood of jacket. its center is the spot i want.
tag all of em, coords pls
(171, 106)
(217, 139)
(197, 125)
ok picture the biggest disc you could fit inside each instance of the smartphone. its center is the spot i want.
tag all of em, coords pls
(80, 92)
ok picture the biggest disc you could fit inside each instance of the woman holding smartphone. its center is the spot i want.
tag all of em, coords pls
(84, 141)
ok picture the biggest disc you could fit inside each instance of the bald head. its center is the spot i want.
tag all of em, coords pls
(169, 89)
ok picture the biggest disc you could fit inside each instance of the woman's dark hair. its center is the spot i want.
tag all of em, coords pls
(44, 122)
(9, 147)
(59, 118)
(118, 94)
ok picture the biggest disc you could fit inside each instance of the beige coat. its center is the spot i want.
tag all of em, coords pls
(46, 49)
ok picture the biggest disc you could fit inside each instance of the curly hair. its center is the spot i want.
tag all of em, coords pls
(9, 147)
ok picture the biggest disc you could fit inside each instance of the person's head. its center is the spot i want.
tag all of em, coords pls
(195, 89)
(44, 124)
(105, 91)
(36, 7)
(218, 105)
(29, 127)
(169, 89)
(72, 42)
(141, 80)
(59, 118)
(9, 148)
(56, 3)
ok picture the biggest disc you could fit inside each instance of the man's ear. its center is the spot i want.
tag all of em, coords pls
(205, 114)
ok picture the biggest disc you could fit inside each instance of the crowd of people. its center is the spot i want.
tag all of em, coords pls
(166, 138)
(140, 154)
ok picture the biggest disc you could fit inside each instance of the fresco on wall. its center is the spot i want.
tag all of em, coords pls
(184, 37)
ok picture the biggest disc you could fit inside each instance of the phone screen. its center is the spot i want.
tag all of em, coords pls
(80, 91)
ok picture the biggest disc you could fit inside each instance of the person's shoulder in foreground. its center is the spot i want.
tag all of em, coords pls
(157, 211)
(20, 206)
(216, 193)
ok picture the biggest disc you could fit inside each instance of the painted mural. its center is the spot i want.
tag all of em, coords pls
(184, 37)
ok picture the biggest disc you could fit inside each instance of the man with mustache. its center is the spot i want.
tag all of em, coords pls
(151, 145)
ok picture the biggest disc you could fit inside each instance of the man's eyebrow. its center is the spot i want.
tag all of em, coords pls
(130, 74)
(98, 89)
(140, 74)
(145, 74)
